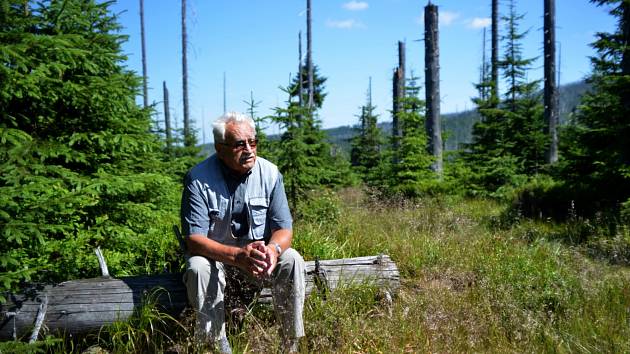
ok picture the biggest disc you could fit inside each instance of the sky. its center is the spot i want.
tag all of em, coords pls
(254, 45)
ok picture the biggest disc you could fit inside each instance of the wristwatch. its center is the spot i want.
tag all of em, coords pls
(277, 247)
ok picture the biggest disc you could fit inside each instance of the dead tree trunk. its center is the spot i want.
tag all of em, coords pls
(432, 77)
(550, 91)
(494, 60)
(309, 56)
(188, 141)
(625, 38)
(483, 80)
(167, 119)
(401, 75)
(398, 95)
(395, 114)
(86, 305)
(145, 91)
(625, 57)
(300, 69)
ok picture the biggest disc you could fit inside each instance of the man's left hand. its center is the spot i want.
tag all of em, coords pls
(272, 259)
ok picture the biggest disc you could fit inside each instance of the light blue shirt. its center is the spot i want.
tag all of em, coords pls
(258, 200)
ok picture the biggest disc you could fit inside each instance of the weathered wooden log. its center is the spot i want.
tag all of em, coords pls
(85, 305)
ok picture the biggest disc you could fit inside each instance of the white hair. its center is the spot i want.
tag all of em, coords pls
(218, 126)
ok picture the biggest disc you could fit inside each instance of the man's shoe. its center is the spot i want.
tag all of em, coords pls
(223, 346)
(291, 346)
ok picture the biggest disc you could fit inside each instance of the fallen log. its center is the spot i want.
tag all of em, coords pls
(85, 305)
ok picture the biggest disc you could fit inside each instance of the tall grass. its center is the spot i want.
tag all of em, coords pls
(470, 283)
(147, 331)
(467, 285)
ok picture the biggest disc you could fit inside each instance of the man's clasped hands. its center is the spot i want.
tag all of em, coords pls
(258, 259)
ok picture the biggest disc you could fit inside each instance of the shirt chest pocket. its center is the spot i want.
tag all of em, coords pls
(217, 208)
(258, 209)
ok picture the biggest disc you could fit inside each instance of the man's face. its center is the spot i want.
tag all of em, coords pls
(238, 159)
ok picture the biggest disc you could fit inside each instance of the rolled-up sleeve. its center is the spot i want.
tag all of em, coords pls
(279, 213)
(194, 209)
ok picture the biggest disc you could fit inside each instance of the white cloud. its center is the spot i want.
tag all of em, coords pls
(447, 17)
(479, 22)
(344, 24)
(355, 5)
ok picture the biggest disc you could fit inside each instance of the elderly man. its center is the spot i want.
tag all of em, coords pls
(234, 213)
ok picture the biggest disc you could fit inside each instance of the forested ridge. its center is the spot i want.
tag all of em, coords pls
(500, 246)
(458, 126)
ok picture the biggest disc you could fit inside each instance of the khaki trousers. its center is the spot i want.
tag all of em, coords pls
(205, 285)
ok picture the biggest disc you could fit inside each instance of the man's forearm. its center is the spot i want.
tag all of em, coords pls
(199, 245)
(282, 237)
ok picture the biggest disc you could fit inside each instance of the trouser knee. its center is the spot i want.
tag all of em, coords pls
(203, 278)
(289, 263)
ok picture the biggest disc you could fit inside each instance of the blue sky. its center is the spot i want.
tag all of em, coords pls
(254, 42)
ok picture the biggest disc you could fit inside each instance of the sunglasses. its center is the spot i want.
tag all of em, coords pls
(241, 144)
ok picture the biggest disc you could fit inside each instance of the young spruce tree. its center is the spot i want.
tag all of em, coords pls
(411, 175)
(365, 154)
(80, 168)
(508, 143)
(595, 150)
(303, 154)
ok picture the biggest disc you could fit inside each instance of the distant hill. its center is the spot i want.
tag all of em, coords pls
(456, 126)
(207, 149)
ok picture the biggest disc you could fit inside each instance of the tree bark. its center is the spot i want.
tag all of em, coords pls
(550, 91)
(188, 141)
(494, 60)
(395, 112)
(85, 305)
(309, 56)
(145, 89)
(167, 119)
(625, 37)
(432, 77)
(398, 94)
(300, 68)
(401, 74)
(484, 74)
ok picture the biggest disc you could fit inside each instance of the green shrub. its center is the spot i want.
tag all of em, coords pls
(541, 197)
(495, 177)
(625, 213)
(322, 206)
(80, 166)
(313, 241)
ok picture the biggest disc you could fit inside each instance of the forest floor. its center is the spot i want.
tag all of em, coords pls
(474, 278)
